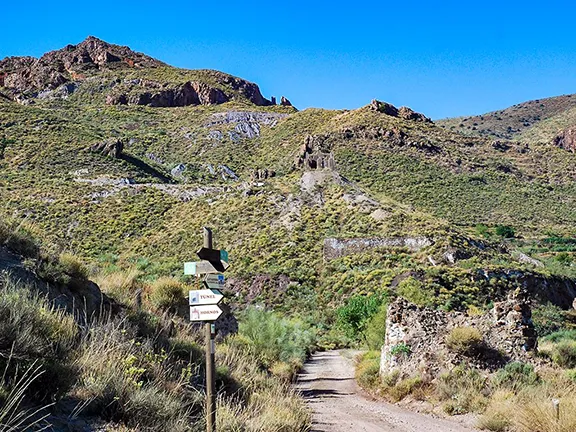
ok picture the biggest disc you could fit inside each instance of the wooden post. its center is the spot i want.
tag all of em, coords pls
(556, 404)
(209, 329)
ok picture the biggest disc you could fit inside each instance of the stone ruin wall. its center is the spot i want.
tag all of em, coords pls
(507, 331)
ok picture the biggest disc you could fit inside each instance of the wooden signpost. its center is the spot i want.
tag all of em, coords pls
(204, 307)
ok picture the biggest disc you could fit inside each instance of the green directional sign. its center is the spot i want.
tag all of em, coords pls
(223, 255)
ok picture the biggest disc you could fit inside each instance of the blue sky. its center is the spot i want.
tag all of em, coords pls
(441, 58)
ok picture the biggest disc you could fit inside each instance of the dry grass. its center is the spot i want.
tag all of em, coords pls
(120, 285)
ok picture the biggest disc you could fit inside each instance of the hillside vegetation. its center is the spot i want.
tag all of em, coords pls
(119, 160)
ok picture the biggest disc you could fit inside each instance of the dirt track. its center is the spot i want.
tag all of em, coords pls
(338, 404)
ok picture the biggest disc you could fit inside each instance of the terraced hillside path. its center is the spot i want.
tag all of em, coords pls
(339, 405)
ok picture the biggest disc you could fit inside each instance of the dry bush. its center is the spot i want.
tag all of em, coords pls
(464, 390)
(464, 340)
(167, 293)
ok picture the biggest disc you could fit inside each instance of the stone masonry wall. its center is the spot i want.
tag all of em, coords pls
(507, 331)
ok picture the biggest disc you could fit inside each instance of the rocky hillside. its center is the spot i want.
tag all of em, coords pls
(98, 66)
(536, 121)
(121, 159)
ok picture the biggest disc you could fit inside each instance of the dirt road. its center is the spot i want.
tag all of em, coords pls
(338, 405)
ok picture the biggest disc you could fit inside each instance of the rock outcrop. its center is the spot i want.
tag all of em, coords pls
(285, 102)
(263, 174)
(27, 76)
(112, 147)
(315, 153)
(566, 139)
(402, 112)
(415, 341)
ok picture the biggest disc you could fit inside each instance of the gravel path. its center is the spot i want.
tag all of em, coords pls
(338, 404)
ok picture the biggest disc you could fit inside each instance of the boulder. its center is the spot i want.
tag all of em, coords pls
(285, 102)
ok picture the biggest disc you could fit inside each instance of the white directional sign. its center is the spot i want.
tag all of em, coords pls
(214, 281)
(205, 313)
(199, 268)
(205, 297)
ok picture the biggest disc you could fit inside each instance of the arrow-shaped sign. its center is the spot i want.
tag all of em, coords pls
(205, 297)
(218, 258)
(214, 281)
(198, 268)
(205, 313)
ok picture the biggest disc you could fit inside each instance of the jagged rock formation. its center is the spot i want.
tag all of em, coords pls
(507, 331)
(25, 78)
(112, 147)
(28, 75)
(285, 102)
(566, 139)
(315, 153)
(402, 112)
(248, 123)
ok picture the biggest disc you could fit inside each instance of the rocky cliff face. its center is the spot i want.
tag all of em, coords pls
(26, 78)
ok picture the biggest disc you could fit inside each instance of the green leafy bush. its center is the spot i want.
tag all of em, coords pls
(464, 340)
(354, 316)
(505, 231)
(375, 331)
(515, 376)
(548, 319)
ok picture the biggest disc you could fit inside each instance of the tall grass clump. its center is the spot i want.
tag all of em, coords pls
(258, 401)
(121, 285)
(13, 391)
(30, 325)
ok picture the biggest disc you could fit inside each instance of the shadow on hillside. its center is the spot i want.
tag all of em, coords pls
(143, 166)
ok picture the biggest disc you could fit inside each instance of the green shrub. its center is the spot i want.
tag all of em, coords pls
(515, 376)
(401, 350)
(505, 231)
(548, 319)
(414, 291)
(464, 340)
(167, 293)
(273, 338)
(564, 354)
(353, 317)
(376, 328)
